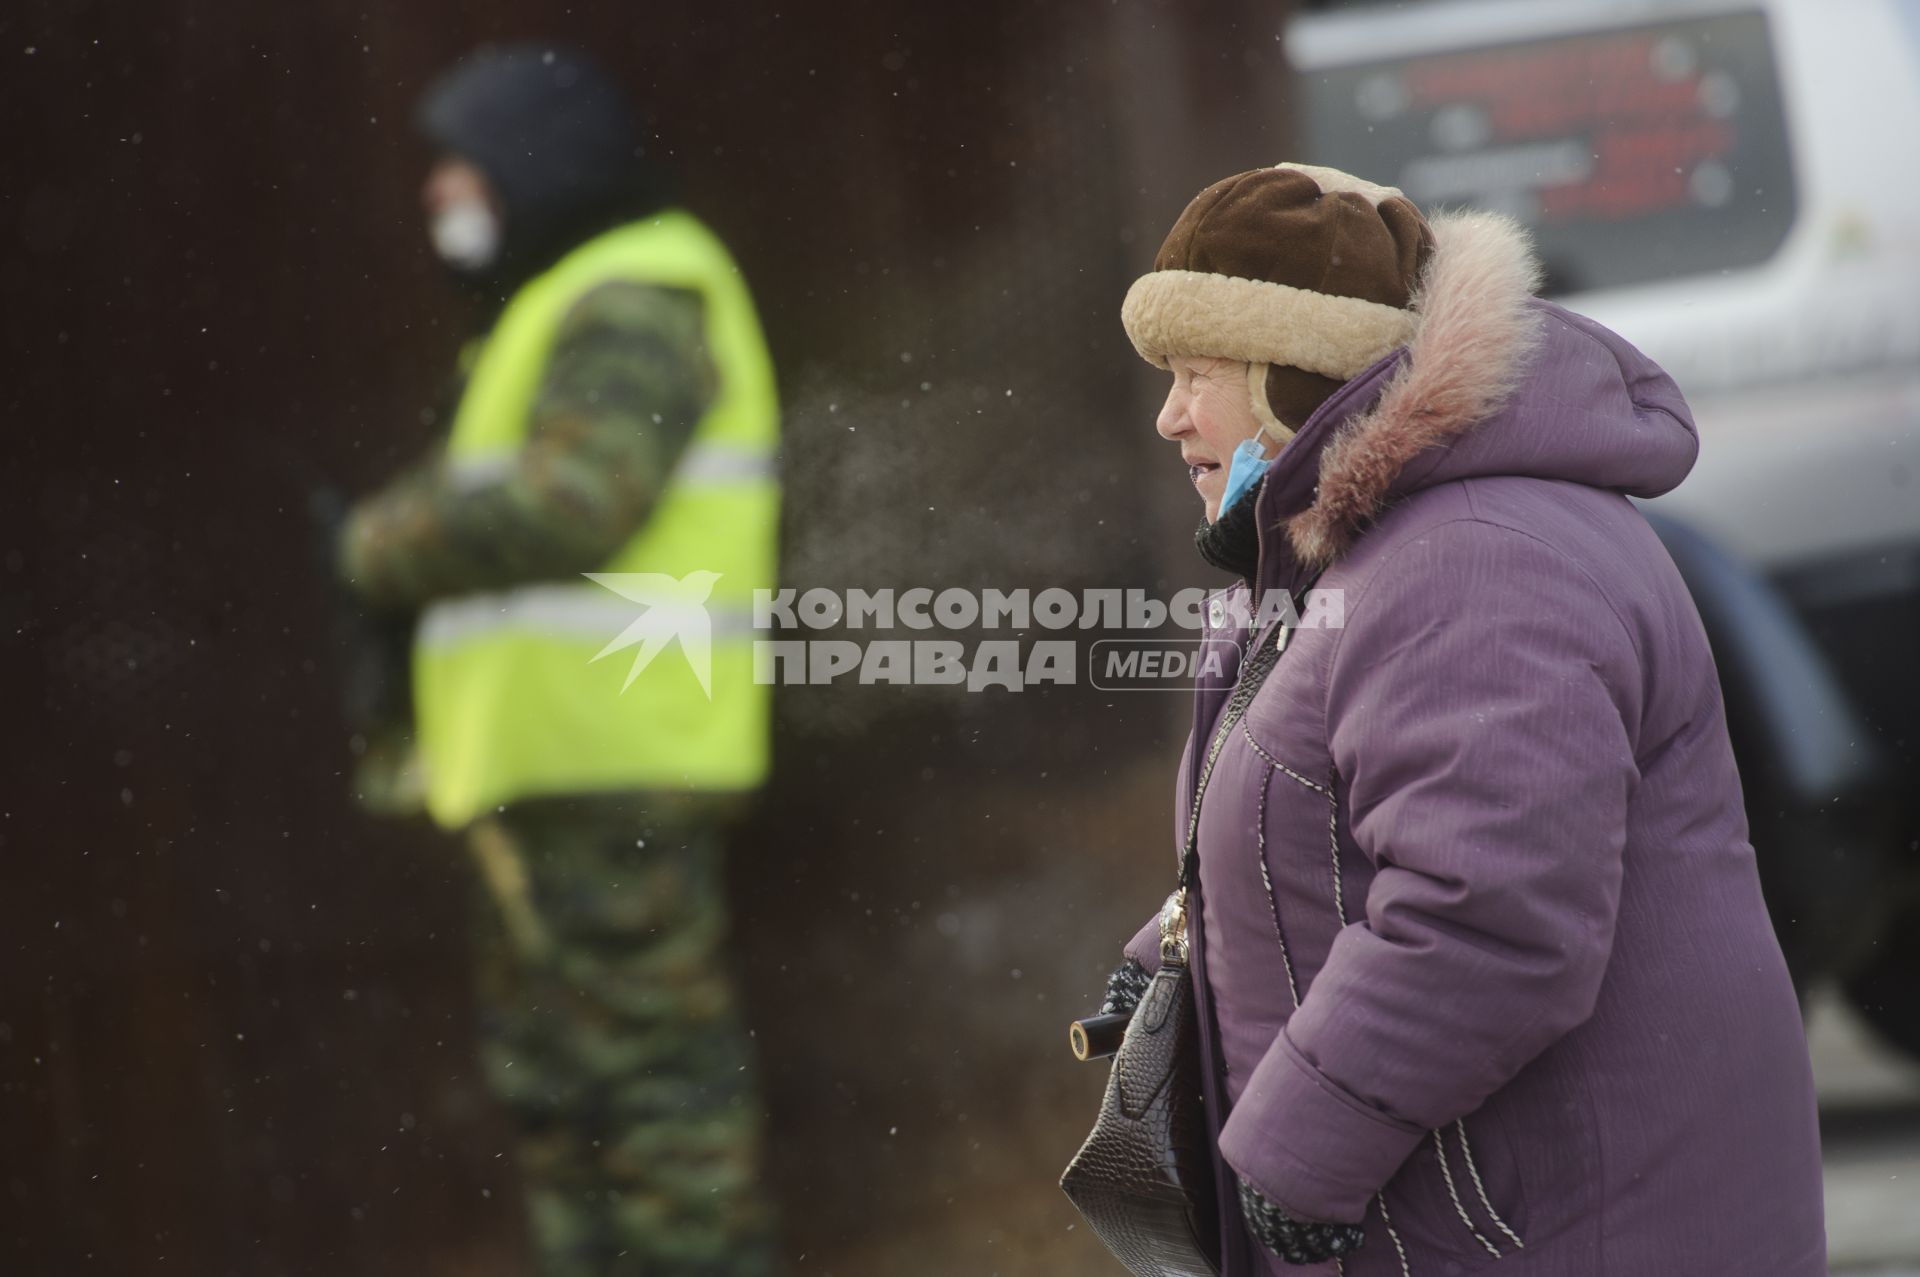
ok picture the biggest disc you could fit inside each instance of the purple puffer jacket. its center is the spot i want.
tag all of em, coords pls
(1480, 948)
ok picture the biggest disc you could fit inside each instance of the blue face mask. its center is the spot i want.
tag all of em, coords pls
(1243, 471)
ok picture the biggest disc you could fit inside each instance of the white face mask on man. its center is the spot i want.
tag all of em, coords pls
(466, 234)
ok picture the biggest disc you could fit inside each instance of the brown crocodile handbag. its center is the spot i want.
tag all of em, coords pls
(1144, 1178)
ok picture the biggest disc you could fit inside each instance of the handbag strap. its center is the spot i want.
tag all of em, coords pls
(1260, 663)
(1253, 673)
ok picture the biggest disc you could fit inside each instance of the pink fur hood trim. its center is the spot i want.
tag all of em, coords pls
(1475, 336)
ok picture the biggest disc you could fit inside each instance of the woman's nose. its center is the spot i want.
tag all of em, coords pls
(1173, 423)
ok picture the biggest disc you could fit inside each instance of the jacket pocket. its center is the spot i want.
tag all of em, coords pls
(1460, 1197)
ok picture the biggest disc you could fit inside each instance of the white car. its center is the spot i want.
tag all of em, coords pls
(1734, 186)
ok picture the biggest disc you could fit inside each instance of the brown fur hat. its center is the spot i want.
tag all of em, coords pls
(1305, 274)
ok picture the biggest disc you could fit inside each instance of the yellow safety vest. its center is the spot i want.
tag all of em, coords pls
(509, 699)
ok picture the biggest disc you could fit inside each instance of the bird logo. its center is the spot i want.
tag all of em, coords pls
(676, 608)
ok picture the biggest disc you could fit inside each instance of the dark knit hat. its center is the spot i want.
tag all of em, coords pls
(557, 138)
(1305, 274)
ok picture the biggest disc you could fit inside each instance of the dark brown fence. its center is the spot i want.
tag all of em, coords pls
(234, 1029)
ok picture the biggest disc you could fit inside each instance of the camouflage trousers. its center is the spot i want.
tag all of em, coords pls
(610, 1032)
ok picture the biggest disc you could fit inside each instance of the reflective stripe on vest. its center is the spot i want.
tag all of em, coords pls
(558, 610)
(525, 691)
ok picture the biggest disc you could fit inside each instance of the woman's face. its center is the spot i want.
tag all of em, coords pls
(1209, 414)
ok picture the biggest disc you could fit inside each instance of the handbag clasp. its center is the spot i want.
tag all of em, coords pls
(1173, 928)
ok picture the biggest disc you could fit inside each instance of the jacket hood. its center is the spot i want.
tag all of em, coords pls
(556, 137)
(1464, 398)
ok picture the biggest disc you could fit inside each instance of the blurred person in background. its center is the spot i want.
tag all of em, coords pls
(618, 417)
(1484, 974)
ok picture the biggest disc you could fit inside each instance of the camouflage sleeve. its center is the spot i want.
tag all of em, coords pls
(627, 382)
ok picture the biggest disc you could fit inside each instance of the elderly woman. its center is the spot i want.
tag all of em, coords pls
(1483, 971)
